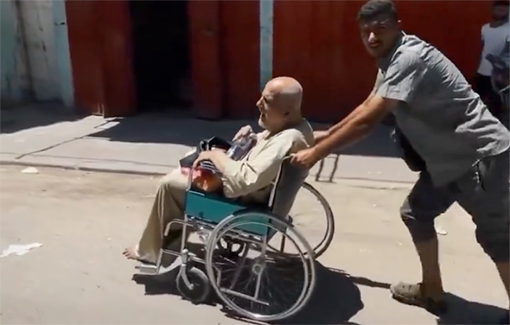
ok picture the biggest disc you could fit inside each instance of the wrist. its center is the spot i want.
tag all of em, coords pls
(320, 150)
(321, 135)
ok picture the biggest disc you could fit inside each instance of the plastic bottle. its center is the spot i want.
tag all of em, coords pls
(242, 146)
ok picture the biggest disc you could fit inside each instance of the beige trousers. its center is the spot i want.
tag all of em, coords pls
(168, 206)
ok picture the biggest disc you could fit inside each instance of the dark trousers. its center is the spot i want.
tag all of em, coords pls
(483, 192)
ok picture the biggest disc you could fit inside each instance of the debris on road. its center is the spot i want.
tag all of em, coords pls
(19, 249)
(30, 170)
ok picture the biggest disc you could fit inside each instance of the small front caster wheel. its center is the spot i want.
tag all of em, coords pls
(200, 287)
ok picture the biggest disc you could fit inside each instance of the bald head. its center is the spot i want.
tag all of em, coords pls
(280, 104)
(286, 93)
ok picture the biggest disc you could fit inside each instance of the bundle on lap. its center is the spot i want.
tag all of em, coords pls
(205, 177)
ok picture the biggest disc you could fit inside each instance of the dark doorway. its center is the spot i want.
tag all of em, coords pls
(162, 66)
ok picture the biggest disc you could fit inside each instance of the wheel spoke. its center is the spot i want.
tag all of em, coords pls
(284, 288)
(316, 222)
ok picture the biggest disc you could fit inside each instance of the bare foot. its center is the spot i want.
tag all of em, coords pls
(131, 253)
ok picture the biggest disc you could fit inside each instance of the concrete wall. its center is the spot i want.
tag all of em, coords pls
(40, 44)
(318, 43)
(15, 83)
(35, 52)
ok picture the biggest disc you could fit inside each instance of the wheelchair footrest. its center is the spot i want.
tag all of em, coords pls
(147, 268)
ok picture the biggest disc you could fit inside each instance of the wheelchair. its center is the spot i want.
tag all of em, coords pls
(240, 258)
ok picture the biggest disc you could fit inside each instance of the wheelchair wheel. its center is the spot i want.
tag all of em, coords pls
(200, 286)
(232, 246)
(261, 283)
(313, 218)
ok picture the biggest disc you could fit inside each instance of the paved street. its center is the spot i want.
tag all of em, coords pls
(83, 221)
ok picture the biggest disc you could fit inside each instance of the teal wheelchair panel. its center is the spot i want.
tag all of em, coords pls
(214, 208)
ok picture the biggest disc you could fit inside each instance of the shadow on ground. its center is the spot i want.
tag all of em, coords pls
(180, 128)
(460, 310)
(174, 127)
(332, 287)
(336, 300)
(18, 118)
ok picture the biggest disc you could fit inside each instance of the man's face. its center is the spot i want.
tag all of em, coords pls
(379, 35)
(500, 13)
(271, 117)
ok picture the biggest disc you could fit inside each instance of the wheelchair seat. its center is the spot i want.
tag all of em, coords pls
(214, 207)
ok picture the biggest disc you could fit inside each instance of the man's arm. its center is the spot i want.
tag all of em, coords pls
(504, 56)
(399, 85)
(247, 176)
(482, 44)
(368, 116)
(351, 116)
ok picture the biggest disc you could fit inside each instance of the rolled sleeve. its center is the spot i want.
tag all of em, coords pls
(378, 81)
(246, 176)
(403, 77)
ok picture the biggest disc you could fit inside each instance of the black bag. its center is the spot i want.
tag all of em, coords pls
(413, 160)
(204, 145)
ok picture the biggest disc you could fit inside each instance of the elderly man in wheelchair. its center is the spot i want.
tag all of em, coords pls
(223, 203)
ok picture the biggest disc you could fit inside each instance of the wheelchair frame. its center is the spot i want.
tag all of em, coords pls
(213, 217)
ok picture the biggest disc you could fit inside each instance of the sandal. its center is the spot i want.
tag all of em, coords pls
(411, 294)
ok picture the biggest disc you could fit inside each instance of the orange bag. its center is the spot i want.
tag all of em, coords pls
(203, 179)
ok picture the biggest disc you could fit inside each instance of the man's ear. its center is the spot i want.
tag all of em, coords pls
(399, 24)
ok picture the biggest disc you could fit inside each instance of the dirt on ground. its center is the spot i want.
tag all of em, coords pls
(83, 221)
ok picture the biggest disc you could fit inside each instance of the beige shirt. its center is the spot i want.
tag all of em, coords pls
(252, 176)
